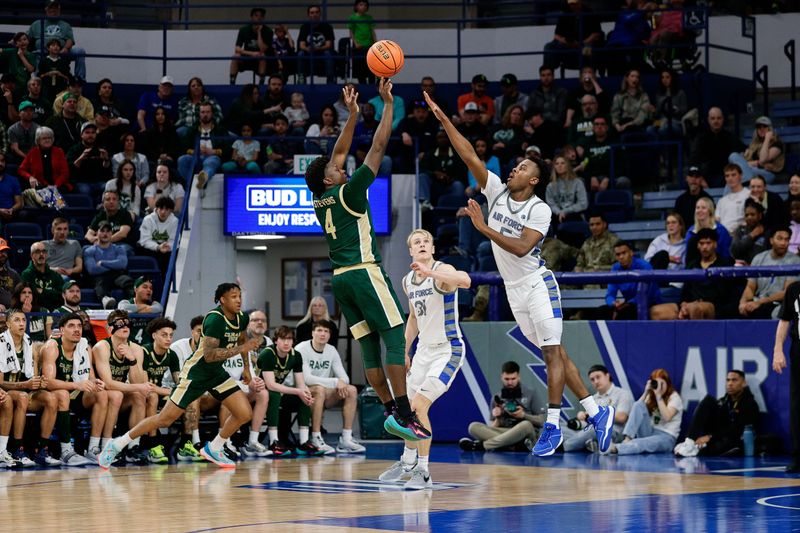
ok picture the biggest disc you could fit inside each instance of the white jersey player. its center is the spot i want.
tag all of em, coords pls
(517, 224)
(432, 290)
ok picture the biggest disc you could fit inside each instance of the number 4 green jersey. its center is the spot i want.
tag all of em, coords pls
(344, 214)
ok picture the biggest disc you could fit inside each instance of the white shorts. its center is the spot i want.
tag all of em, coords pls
(433, 369)
(536, 304)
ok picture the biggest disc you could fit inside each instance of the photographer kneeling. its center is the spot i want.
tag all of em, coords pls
(513, 420)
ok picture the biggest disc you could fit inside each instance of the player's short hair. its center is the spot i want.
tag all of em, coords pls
(165, 202)
(737, 372)
(66, 318)
(732, 167)
(196, 321)
(424, 232)
(510, 367)
(754, 205)
(620, 243)
(544, 168)
(223, 288)
(597, 368)
(327, 324)
(160, 323)
(282, 332)
(707, 233)
(116, 314)
(781, 227)
(57, 221)
(282, 118)
(315, 175)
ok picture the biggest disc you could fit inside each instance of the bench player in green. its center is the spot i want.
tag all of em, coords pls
(224, 336)
(361, 287)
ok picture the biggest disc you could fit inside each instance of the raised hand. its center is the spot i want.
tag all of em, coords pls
(350, 96)
(385, 90)
(435, 109)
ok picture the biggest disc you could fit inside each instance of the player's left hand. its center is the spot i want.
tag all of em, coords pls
(519, 413)
(475, 214)
(350, 96)
(385, 90)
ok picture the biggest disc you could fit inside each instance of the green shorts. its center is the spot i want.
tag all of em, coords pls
(219, 384)
(367, 299)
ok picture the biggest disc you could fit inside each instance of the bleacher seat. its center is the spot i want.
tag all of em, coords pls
(15, 230)
(142, 265)
(89, 299)
(660, 199)
(615, 204)
(582, 298)
(638, 230)
(76, 201)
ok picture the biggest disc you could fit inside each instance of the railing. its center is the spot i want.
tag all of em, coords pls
(789, 52)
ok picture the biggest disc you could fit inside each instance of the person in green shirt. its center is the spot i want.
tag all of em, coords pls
(360, 285)
(21, 61)
(362, 34)
(40, 276)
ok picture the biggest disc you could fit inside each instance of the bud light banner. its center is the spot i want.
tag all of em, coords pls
(283, 205)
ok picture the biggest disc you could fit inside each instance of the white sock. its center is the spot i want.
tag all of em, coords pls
(124, 440)
(94, 442)
(253, 438)
(65, 447)
(135, 442)
(590, 405)
(195, 436)
(303, 435)
(217, 444)
(103, 443)
(422, 462)
(553, 416)
(347, 435)
(273, 435)
(3, 443)
(316, 435)
(409, 456)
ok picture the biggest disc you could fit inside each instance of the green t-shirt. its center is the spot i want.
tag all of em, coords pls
(361, 26)
(156, 366)
(344, 214)
(216, 325)
(268, 361)
(117, 220)
(120, 367)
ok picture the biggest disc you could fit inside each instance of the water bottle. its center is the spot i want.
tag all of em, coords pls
(749, 440)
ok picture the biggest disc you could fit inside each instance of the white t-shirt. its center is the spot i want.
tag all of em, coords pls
(510, 218)
(321, 368)
(436, 312)
(730, 210)
(673, 427)
(183, 348)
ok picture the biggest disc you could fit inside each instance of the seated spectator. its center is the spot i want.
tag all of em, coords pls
(161, 141)
(597, 151)
(794, 224)
(712, 147)
(107, 263)
(321, 136)
(480, 98)
(158, 231)
(684, 204)
(284, 49)
(546, 137)
(511, 96)
(775, 210)
(492, 165)
(582, 126)
(22, 134)
(588, 85)
(627, 308)
(515, 413)
(671, 104)
(428, 86)
(19, 60)
(549, 97)
(120, 220)
(126, 184)
(281, 149)
(631, 107)
(794, 188)
(705, 299)
(317, 311)
(142, 301)
(89, 164)
(571, 155)
(28, 299)
(54, 70)
(631, 30)
(67, 125)
(208, 160)
(762, 296)
(42, 107)
(597, 252)
(45, 164)
(105, 101)
(10, 194)
(655, 420)
(63, 255)
(315, 47)
(129, 153)
(244, 153)
(298, 114)
(162, 97)
(46, 282)
(667, 251)
(766, 154)
(9, 278)
(108, 136)
(83, 106)
(565, 193)
(471, 127)
(607, 394)
(189, 107)
(164, 184)
(509, 136)
(668, 30)
(704, 218)
(342, 112)
(398, 108)
(253, 41)
(275, 101)
(441, 171)
(247, 107)
(362, 138)
(362, 36)
(417, 132)
(574, 36)
(730, 208)
(71, 292)
(717, 425)
(329, 384)
(53, 25)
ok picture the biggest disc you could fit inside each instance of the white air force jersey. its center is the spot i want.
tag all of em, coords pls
(436, 311)
(509, 218)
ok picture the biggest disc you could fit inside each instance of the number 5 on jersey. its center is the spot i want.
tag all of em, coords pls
(330, 229)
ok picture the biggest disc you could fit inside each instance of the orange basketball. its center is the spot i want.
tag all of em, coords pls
(385, 58)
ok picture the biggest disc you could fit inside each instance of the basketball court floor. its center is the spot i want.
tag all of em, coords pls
(475, 492)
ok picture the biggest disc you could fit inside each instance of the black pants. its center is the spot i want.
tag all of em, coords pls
(710, 419)
(794, 397)
(115, 279)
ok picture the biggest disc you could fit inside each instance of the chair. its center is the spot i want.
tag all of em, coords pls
(15, 230)
(615, 204)
(88, 296)
(142, 265)
(79, 201)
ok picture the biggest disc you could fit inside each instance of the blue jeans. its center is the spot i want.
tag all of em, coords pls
(78, 55)
(186, 167)
(575, 440)
(428, 185)
(748, 171)
(646, 438)
(305, 63)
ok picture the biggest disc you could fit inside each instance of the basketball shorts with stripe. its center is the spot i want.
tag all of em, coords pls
(433, 368)
(535, 302)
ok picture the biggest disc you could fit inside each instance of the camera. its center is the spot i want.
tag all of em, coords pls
(653, 384)
(510, 406)
(575, 424)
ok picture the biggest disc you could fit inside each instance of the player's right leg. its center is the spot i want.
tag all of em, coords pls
(227, 391)
(69, 457)
(12, 427)
(45, 402)
(260, 402)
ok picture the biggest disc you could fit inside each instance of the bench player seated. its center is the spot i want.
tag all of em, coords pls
(67, 369)
(330, 386)
(26, 392)
(277, 363)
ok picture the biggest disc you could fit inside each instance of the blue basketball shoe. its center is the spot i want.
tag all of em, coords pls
(550, 439)
(603, 423)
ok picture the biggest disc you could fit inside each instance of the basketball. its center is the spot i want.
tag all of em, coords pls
(385, 58)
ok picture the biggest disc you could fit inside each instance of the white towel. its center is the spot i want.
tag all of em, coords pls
(8, 355)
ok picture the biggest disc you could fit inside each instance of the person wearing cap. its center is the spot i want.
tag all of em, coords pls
(684, 204)
(63, 254)
(158, 231)
(478, 95)
(10, 101)
(253, 40)
(712, 147)
(56, 27)
(9, 278)
(67, 125)
(416, 130)
(108, 136)
(142, 301)
(20, 60)
(120, 220)
(107, 264)
(89, 163)
(84, 106)
(39, 275)
(510, 96)
(10, 193)
(575, 35)
(766, 154)
(549, 97)
(42, 108)
(22, 134)
(71, 292)
(45, 164)
(470, 126)
(162, 97)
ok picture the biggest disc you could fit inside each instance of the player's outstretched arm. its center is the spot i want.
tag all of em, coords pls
(460, 144)
(381, 138)
(447, 278)
(345, 139)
